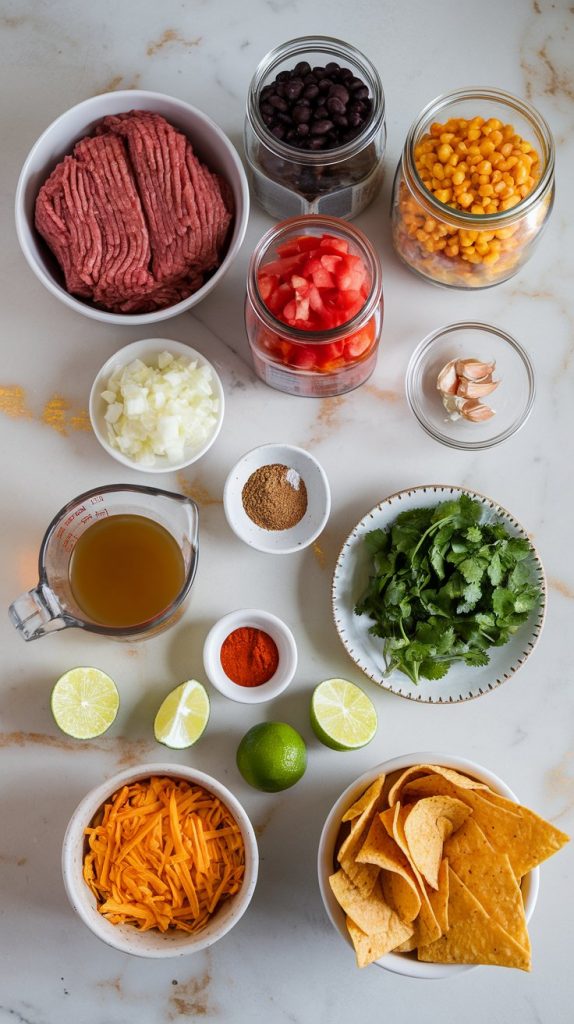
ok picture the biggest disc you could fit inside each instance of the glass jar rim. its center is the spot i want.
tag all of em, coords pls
(294, 334)
(461, 218)
(334, 48)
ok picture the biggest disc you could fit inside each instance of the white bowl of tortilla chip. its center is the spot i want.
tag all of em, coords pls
(397, 930)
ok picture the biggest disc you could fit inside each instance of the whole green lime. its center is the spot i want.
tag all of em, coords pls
(272, 756)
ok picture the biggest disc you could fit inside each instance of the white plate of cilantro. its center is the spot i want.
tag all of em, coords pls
(438, 594)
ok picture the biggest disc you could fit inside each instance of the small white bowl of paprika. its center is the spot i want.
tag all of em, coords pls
(250, 656)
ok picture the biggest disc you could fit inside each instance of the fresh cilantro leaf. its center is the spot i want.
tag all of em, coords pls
(484, 588)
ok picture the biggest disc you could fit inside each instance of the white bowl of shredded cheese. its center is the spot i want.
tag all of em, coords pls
(157, 405)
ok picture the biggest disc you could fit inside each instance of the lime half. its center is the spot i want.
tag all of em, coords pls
(182, 716)
(342, 716)
(84, 703)
(272, 756)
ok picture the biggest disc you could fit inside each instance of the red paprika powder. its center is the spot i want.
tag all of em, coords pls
(249, 656)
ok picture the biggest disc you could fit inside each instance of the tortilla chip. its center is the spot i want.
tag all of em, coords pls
(428, 823)
(439, 899)
(422, 770)
(402, 895)
(408, 946)
(369, 948)
(363, 876)
(370, 913)
(468, 840)
(473, 937)
(366, 801)
(509, 827)
(427, 928)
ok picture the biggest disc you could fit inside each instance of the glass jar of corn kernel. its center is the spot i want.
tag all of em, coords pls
(473, 189)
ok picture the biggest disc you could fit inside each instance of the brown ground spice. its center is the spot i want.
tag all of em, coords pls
(275, 497)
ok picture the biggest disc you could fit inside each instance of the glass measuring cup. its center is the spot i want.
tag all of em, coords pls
(51, 605)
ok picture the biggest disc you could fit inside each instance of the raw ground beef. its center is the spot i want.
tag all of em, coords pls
(133, 218)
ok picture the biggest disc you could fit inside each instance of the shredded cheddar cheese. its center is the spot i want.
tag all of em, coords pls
(163, 854)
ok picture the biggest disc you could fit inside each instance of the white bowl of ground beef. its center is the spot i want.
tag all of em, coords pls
(139, 222)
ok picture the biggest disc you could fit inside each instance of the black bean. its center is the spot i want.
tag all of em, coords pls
(268, 119)
(310, 79)
(266, 91)
(317, 143)
(355, 83)
(335, 105)
(283, 76)
(325, 84)
(361, 93)
(321, 127)
(355, 119)
(302, 130)
(345, 75)
(332, 66)
(278, 131)
(301, 114)
(266, 108)
(279, 103)
(302, 68)
(294, 88)
(342, 121)
(339, 92)
(284, 118)
(311, 92)
(320, 113)
(319, 73)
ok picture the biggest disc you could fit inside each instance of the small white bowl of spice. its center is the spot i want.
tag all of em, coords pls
(277, 498)
(250, 656)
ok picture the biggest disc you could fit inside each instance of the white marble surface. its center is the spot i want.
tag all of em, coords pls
(283, 962)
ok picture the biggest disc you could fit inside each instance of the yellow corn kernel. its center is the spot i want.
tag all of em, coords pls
(438, 171)
(507, 204)
(444, 195)
(458, 177)
(444, 152)
(465, 199)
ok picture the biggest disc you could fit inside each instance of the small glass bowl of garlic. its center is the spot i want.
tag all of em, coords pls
(157, 405)
(470, 385)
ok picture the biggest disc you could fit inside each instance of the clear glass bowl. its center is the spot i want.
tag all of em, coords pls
(512, 401)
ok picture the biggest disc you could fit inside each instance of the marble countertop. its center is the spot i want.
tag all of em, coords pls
(283, 962)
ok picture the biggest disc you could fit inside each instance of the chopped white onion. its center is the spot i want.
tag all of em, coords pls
(160, 410)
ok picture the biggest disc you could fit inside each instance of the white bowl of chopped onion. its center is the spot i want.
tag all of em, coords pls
(157, 405)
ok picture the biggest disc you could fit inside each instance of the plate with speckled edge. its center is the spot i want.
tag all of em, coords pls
(350, 579)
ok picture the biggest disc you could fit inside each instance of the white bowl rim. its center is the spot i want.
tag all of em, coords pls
(398, 963)
(263, 620)
(229, 506)
(132, 98)
(129, 352)
(83, 815)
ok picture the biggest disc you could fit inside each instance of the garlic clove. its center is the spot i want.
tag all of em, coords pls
(476, 388)
(475, 411)
(447, 380)
(473, 369)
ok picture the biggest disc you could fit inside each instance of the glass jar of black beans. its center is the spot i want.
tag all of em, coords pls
(315, 129)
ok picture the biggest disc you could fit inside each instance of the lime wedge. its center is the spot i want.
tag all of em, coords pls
(182, 716)
(342, 716)
(84, 703)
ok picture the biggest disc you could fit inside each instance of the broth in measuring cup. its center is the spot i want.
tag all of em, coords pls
(126, 569)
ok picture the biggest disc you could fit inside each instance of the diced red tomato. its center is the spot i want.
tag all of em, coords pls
(303, 357)
(358, 344)
(316, 284)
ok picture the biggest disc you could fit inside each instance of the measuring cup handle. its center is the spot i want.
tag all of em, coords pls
(36, 613)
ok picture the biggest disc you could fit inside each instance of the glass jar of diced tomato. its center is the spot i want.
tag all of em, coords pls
(314, 307)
